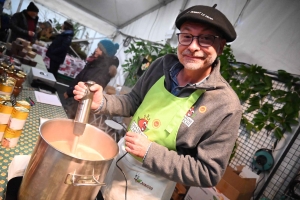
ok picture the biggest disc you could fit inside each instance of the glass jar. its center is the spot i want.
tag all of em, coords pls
(19, 79)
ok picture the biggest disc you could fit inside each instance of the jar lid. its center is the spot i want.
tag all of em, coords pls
(8, 71)
(20, 75)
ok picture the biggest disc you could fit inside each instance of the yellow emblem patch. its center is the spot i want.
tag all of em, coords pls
(156, 123)
(202, 109)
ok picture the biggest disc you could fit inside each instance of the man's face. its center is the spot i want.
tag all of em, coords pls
(195, 57)
(32, 14)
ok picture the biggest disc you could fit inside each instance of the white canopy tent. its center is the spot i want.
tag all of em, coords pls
(268, 31)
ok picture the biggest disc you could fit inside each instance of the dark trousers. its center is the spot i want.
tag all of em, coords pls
(54, 66)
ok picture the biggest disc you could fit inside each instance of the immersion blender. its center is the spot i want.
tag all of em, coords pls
(82, 113)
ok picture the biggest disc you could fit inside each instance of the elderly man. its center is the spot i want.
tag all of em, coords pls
(185, 115)
(23, 24)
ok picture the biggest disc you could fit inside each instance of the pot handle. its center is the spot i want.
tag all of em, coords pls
(82, 180)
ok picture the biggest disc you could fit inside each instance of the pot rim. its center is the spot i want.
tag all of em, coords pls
(64, 119)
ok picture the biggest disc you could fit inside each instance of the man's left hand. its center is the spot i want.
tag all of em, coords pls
(136, 144)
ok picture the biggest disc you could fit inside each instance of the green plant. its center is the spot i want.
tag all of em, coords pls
(274, 110)
(140, 50)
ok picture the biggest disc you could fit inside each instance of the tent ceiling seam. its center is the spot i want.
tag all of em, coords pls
(145, 13)
(91, 13)
(241, 13)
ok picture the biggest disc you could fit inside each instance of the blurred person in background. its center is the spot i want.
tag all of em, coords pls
(101, 67)
(23, 24)
(59, 47)
(1, 6)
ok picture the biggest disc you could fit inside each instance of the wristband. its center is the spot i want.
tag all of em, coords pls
(147, 152)
(100, 106)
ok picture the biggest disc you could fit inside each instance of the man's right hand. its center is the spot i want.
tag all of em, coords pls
(79, 92)
(31, 33)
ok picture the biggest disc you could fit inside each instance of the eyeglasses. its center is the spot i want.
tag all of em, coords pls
(203, 40)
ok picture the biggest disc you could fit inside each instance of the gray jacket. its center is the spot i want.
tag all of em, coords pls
(204, 148)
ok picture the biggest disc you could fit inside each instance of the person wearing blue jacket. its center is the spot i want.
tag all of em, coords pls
(59, 47)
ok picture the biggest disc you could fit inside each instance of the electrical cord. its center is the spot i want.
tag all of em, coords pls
(123, 173)
(258, 181)
(125, 129)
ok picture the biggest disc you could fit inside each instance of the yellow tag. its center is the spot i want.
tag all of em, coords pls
(20, 113)
(202, 109)
(9, 133)
(2, 127)
(6, 109)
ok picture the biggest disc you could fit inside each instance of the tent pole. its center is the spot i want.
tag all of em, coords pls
(144, 13)
(19, 6)
(93, 41)
(241, 13)
(183, 6)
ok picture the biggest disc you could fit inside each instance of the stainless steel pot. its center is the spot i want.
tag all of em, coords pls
(52, 174)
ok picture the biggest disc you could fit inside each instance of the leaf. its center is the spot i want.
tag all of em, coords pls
(287, 127)
(280, 100)
(254, 101)
(252, 108)
(249, 126)
(270, 127)
(259, 116)
(260, 126)
(268, 82)
(292, 121)
(278, 133)
(288, 108)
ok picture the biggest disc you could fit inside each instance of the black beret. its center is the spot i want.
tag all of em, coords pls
(208, 15)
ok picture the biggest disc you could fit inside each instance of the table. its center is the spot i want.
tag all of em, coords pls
(40, 64)
(29, 135)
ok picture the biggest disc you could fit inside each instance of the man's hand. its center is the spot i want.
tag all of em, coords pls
(79, 92)
(136, 144)
(31, 33)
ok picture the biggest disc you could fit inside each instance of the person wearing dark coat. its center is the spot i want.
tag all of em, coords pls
(1, 6)
(101, 67)
(59, 47)
(23, 24)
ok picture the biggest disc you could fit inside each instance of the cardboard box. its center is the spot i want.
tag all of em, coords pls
(197, 193)
(235, 187)
(179, 192)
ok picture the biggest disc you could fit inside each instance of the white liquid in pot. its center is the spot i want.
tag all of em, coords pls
(82, 151)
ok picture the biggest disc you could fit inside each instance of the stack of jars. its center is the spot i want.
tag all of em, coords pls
(5, 113)
(11, 79)
(12, 120)
(12, 117)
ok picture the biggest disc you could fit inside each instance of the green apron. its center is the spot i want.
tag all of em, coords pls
(159, 120)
